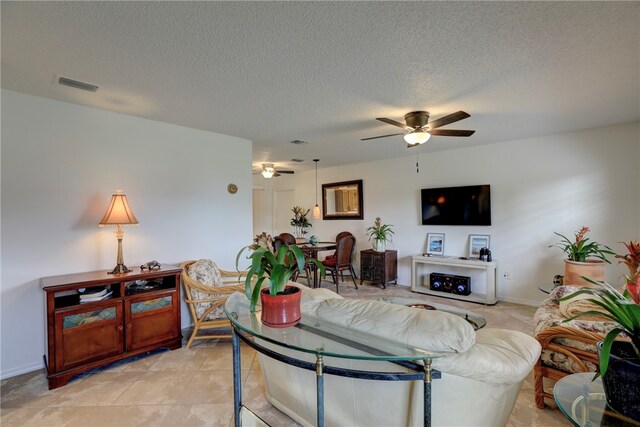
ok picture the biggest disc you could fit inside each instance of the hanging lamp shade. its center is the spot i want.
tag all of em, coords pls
(316, 208)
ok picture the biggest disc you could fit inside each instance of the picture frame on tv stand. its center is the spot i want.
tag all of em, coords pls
(476, 243)
(435, 244)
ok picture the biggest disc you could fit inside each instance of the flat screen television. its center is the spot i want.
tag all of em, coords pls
(470, 205)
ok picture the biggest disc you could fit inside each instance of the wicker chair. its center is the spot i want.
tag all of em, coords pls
(205, 301)
(567, 347)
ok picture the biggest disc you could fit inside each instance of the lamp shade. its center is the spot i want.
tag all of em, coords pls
(417, 137)
(316, 212)
(267, 173)
(118, 212)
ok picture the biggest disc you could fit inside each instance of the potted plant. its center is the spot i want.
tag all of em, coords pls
(300, 221)
(619, 360)
(585, 258)
(381, 234)
(280, 303)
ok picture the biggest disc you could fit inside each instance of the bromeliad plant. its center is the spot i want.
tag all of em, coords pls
(379, 231)
(582, 249)
(276, 268)
(622, 308)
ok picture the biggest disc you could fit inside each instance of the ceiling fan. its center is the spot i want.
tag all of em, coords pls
(418, 129)
(269, 170)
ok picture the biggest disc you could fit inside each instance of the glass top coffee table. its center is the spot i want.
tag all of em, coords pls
(474, 319)
(327, 343)
(582, 401)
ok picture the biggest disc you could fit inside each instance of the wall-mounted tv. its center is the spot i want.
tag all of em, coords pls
(470, 205)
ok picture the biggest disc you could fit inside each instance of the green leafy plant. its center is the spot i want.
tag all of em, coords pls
(379, 231)
(300, 221)
(631, 260)
(622, 308)
(276, 268)
(581, 249)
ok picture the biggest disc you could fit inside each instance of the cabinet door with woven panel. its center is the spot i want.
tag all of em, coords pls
(88, 334)
(151, 319)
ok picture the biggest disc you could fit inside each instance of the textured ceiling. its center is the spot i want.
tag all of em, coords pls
(321, 72)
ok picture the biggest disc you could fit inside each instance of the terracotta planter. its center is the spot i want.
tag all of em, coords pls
(282, 310)
(594, 270)
(620, 382)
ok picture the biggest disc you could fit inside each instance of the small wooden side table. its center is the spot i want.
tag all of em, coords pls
(379, 267)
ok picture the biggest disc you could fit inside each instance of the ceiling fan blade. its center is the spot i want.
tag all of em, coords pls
(451, 132)
(393, 123)
(288, 172)
(454, 117)
(381, 136)
(413, 145)
(276, 174)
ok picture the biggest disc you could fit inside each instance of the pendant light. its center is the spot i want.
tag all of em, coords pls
(316, 208)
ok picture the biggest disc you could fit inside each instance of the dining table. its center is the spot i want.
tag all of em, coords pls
(311, 251)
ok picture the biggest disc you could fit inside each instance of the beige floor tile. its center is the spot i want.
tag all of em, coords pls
(216, 414)
(139, 364)
(156, 388)
(28, 390)
(525, 414)
(181, 359)
(223, 360)
(99, 416)
(15, 417)
(209, 387)
(97, 390)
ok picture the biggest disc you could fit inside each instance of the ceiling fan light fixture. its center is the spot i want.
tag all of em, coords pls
(268, 170)
(417, 137)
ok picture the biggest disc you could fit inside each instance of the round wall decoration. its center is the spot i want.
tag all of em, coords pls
(232, 188)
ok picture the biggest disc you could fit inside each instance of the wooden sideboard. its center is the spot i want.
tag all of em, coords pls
(379, 267)
(142, 313)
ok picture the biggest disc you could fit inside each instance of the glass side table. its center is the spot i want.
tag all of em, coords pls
(322, 340)
(582, 401)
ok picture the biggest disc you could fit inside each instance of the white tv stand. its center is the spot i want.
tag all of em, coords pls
(482, 273)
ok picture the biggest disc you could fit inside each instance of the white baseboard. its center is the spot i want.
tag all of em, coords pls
(21, 370)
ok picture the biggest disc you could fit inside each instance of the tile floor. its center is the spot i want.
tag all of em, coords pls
(194, 387)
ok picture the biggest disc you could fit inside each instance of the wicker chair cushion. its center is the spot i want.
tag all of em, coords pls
(548, 315)
(206, 271)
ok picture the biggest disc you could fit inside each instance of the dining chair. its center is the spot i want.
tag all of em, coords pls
(342, 261)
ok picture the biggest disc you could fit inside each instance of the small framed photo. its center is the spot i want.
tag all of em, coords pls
(435, 244)
(477, 242)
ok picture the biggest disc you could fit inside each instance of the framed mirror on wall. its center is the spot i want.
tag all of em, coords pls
(342, 200)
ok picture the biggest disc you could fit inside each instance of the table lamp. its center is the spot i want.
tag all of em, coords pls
(119, 213)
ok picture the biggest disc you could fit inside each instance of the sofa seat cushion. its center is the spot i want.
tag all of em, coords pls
(426, 330)
(499, 356)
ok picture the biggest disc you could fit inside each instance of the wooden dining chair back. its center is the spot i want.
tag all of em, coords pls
(206, 288)
(342, 261)
(286, 239)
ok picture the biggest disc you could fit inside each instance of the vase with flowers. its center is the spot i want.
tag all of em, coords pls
(585, 258)
(619, 359)
(300, 222)
(380, 234)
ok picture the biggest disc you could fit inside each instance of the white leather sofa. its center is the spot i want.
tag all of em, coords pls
(481, 374)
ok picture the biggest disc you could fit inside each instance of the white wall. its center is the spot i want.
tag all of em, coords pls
(540, 185)
(60, 164)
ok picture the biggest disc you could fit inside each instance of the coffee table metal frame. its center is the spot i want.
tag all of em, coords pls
(236, 308)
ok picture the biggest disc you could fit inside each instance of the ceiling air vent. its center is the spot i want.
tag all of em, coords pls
(299, 142)
(76, 84)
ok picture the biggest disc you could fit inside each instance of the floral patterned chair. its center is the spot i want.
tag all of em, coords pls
(206, 289)
(567, 347)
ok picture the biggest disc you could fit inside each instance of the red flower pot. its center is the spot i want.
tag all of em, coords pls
(282, 310)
